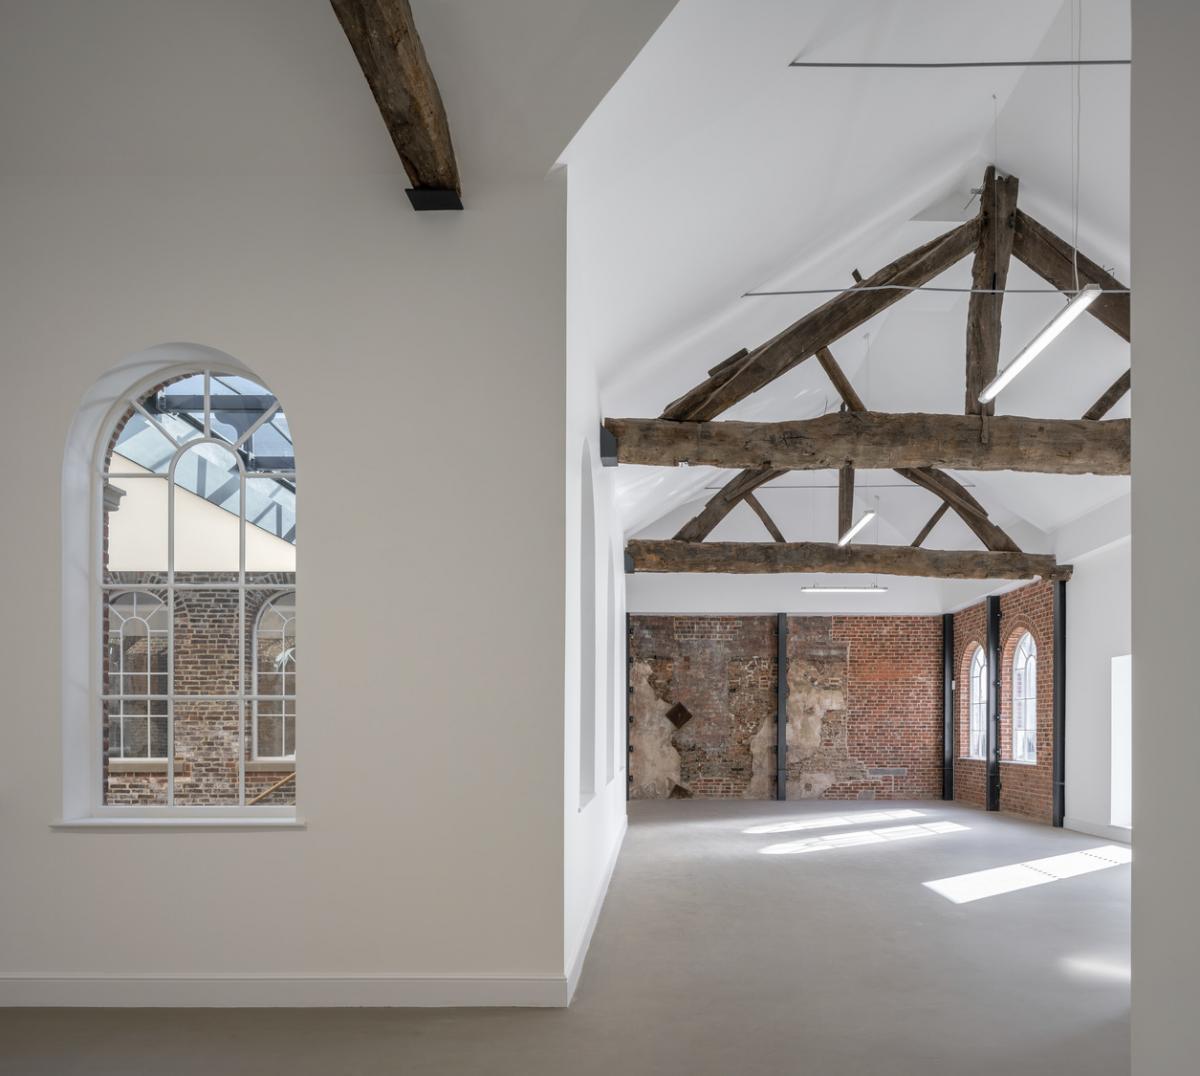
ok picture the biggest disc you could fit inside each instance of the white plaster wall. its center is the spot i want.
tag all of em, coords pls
(218, 173)
(1098, 630)
(1166, 519)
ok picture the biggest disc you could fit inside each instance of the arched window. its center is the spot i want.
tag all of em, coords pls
(275, 679)
(977, 706)
(198, 607)
(137, 675)
(1024, 700)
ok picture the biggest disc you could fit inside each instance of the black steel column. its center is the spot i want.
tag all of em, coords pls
(947, 706)
(993, 708)
(628, 696)
(1059, 761)
(781, 712)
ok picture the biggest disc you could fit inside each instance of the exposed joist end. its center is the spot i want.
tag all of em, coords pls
(427, 199)
(608, 448)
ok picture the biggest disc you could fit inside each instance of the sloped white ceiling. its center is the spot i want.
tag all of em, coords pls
(713, 168)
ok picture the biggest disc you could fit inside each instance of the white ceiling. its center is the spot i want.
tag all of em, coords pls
(712, 168)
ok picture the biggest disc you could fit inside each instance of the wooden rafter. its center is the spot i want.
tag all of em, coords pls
(1052, 259)
(389, 50)
(1107, 401)
(761, 512)
(972, 513)
(725, 501)
(997, 223)
(873, 439)
(934, 520)
(845, 498)
(769, 557)
(842, 314)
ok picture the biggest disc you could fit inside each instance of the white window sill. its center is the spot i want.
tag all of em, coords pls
(183, 822)
(971, 758)
(1018, 762)
(271, 765)
(144, 765)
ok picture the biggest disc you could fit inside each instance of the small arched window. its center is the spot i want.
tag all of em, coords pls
(198, 703)
(977, 706)
(275, 679)
(1024, 700)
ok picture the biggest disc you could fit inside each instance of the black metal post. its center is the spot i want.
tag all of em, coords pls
(628, 697)
(993, 711)
(1059, 761)
(781, 712)
(948, 706)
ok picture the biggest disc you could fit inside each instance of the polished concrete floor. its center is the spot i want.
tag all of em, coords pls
(827, 956)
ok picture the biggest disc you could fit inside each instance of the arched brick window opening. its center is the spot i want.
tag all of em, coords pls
(1024, 700)
(977, 698)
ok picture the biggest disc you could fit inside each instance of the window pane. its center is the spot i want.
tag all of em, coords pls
(207, 495)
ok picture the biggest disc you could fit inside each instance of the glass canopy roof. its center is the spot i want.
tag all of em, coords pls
(242, 415)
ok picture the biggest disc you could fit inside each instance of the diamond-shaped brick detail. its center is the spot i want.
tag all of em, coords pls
(679, 715)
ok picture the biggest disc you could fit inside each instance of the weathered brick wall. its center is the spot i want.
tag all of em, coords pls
(1024, 789)
(864, 707)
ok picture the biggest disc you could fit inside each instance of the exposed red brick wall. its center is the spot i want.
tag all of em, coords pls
(876, 680)
(1028, 789)
(1024, 789)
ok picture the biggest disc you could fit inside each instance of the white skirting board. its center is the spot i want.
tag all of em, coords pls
(308, 991)
(576, 965)
(283, 991)
(1098, 829)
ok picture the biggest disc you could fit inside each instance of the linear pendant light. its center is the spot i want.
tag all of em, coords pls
(874, 589)
(1084, 298)
(863, 520)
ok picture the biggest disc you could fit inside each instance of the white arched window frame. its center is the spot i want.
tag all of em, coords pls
(1024, 700)
(137, 675)
(204, 442)
(274, 661)
(977, 699)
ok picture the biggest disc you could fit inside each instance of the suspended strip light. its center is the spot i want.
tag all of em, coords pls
(874, 588)
(1084, 298)
(863, 520)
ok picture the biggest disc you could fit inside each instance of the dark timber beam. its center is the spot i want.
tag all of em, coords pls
(872, 439)
(724, 502)
(840, 315)
(845, 498)
(1111, 395)
(1051, 258)
(759, 558)
(761, 512)
(936, 482)
(997, 222)
(389, 50)
(934, 520)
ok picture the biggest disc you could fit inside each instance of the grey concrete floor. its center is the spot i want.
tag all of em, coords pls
(712, 958)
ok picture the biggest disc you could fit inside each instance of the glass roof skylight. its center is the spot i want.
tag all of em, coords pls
(232, 410)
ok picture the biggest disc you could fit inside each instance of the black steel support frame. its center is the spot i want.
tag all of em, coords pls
(1059, 760)
(781, 711)
(948, 706)
(993, 708)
